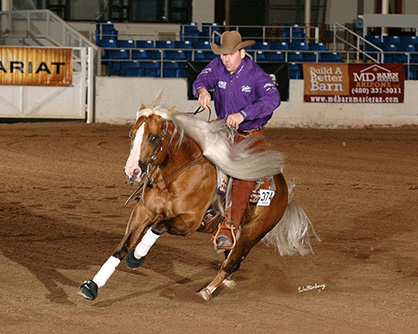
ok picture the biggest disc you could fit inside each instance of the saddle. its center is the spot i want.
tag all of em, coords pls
(215, 215)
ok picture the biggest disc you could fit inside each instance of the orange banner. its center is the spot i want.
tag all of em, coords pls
(26, 66)
(353, 83)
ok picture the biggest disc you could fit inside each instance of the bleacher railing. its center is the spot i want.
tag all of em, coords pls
(294, 48)
(42, 28)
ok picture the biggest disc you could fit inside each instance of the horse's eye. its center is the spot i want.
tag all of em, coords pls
(153, 138)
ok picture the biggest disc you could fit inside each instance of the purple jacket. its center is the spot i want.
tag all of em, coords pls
(249, 91)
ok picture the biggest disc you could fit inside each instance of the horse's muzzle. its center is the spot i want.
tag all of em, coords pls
(132, 176)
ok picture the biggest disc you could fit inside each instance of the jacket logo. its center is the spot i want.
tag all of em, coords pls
(222, 84)
(246, 89)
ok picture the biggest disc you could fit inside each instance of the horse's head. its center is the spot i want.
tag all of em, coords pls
(148, 143)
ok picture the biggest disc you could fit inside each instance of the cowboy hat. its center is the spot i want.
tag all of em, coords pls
(231, 41)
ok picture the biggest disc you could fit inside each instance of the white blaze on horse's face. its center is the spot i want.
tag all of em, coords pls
(132, 168)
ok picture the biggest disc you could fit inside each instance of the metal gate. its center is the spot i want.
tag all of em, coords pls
(36, 102)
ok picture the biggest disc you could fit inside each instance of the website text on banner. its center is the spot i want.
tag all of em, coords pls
(353, 83)
(26, 66)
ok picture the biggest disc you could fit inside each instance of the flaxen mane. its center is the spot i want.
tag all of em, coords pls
(239, 160)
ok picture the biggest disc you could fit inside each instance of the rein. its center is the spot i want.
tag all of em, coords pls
(186, 166)
(200, 110)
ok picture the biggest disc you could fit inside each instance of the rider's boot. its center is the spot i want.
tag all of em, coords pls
(225, 238)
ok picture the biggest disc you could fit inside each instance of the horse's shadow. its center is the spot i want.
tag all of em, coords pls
(45, 247)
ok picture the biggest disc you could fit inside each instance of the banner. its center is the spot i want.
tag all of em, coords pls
(25, 66)
(353, 83)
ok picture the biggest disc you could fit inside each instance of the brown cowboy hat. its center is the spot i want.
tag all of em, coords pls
(231, 41)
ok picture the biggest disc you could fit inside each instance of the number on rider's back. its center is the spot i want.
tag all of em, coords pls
(265, 197)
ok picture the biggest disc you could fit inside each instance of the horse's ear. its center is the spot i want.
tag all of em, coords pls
(142, 106)
(172, 109)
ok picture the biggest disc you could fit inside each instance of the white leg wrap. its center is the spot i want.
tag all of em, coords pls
(146, 243)
(106, 271)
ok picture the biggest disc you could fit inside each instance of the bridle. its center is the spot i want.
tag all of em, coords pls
(146, 171)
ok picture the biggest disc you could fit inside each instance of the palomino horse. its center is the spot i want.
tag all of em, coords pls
(174, 157)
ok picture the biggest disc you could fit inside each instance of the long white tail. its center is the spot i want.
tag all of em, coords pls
(292, 233)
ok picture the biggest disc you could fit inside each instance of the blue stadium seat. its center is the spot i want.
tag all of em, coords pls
(208, 29)
(175, 55)
(189, 31)
(106, 42)
(414, 58)
(294, 57)
(407, 47)
(100, 24)
(152, 69)
(175, 69)
(402, 58)
(118, 54)
(279, 46)
(209, 55)
(132, 69)
(310, 57)
(125, 43)
(259, 56)
(198, 55)
(183, 45)
(316, 46)
(298, 45)
(409, 39)
(329, 57)
(164, 44)
(375, 39)
(139, 54)
(391, 39)
(274, 56)
(155, 54)
(114, 67)
(413, 72)
(145, 44)
(295, 71)
(201, 45)
(374, 52)
(261, 46)
(388, 55)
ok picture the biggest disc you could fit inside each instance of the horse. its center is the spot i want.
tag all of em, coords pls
(175, 158)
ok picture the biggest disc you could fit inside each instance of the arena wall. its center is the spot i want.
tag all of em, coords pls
(118, 99)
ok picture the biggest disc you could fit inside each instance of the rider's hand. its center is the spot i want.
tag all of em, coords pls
(234, 120)
(204, 98)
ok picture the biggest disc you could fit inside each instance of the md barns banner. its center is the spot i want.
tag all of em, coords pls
(353, 83)
(26, 66)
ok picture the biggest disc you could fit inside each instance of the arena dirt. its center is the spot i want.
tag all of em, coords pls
(61, 214)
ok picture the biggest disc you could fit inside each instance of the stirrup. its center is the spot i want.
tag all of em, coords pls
(225, 225)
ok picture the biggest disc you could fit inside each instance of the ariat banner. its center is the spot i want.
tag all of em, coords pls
(26, 66)
(353, 83)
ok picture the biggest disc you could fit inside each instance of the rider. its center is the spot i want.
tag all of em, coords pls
(245, 96)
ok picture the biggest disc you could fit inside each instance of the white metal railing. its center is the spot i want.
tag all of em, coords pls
(359, 46)
(44, 28)
(258, 32)
(42, 24)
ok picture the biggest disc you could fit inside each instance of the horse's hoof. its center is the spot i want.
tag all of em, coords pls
(205, 293)
(230, 283)
(132, 262)
(88, 290)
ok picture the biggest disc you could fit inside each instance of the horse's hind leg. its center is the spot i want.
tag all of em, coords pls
(229, 266)
(139, 220)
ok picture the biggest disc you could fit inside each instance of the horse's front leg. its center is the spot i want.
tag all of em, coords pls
(141, 217)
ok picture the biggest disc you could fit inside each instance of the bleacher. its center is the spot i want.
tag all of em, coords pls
(396, 49)
(166, 58)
